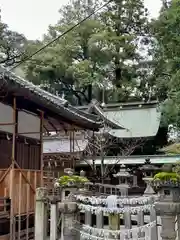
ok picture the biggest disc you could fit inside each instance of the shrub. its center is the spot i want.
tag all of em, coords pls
(167, 176)
(72, 180)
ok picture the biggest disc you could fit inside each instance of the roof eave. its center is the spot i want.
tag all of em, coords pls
(48, 102)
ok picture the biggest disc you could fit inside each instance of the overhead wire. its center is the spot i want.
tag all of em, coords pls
(60, 36)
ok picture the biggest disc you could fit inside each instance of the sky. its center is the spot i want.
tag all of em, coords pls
(32, 17)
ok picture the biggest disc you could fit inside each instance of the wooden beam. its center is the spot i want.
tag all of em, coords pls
(41, 145)
(19, 205)
(47, 131)
(61, 124)
(27, 205)
(52, 125)
(5, 174)
(73, 159)
(24, 176)
(28, 133)
(7, 124)
(12, 224)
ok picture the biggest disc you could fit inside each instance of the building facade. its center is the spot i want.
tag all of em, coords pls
(28, 113)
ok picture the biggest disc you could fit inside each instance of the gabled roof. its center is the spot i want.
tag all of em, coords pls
(50, 102)
(116, 106)
(128, 120)
(95, 107)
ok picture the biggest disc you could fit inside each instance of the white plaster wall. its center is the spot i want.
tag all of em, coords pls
(28, 125)
(6, 116)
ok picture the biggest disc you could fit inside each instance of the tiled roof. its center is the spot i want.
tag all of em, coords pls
(51, 102)
(131, 120)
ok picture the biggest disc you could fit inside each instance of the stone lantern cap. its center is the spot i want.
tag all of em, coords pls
(123, 172)
(69, 171)
(148, 166)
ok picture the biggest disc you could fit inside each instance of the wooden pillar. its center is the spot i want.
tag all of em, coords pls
(73, 148)
(41, 145)
(70, 146)
(11, 193)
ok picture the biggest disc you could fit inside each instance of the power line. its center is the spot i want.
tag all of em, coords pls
(60, 36)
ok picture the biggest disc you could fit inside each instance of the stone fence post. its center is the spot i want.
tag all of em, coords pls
(69, 213)
(41, 211)
(54, 217)
(168, 207)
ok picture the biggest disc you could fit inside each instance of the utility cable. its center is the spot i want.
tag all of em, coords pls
(60, 36)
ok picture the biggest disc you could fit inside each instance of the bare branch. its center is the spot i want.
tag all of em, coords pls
(129, 148)
(101, 144)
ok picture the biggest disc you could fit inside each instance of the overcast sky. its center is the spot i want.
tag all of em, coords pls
(32, 17)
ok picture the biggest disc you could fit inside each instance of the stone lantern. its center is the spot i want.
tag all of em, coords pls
(168, 206)
(148, 171)
(84, 189)
(123, 176)
(69, 190)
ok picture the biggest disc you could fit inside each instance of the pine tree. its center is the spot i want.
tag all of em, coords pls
(101, 53)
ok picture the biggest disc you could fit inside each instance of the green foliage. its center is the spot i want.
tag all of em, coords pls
(176, 168)
(166, 176)
(169, 172)
(101, 53)
(172, 149)
(72, 180)
(12, 45)
(166, 56)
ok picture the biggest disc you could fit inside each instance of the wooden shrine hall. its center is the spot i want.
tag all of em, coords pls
(27, 114)
(65, 149)
(62, 151)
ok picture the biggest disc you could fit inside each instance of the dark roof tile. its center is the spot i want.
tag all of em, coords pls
(51, 102)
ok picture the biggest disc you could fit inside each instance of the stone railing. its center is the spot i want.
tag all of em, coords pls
(108, 189)
(70, 208)
(141, 216)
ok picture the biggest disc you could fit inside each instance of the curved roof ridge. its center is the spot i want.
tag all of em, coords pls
(29, 84)
(108, 121)
(51, 102)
